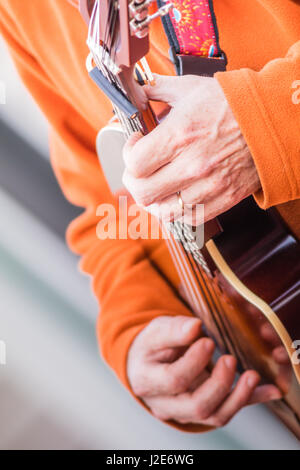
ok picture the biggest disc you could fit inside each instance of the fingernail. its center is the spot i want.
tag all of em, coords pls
(275, 395)
(188, 325)
(251, 381)
(208, 345)
(229, 362)
(280, 353)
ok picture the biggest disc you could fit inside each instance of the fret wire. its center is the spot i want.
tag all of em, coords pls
(181, 234)
(230, 335)
(131, 125)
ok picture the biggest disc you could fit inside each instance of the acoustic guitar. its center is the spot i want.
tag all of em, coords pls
(247, 274)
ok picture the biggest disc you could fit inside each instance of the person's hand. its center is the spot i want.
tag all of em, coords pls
(168, 369)
(198, 149)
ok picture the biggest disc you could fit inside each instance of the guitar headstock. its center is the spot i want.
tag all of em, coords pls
(113, 20)
(86, 8)
(118, 39)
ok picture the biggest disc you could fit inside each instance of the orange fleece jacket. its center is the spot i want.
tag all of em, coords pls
(134, 280)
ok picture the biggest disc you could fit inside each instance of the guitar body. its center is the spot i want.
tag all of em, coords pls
(256, 265)
(244, 283)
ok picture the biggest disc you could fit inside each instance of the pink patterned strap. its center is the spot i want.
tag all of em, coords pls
(191, 28)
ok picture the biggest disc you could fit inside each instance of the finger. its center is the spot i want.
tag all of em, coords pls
(166, 89)
(168, 354)
(199, 380)
(280, 355)
(265, 393)
(212, 203)
(170, 89)
(132, 140)
(186, 369)
(198, 405)
(175, 176)
(143, 155)
(269, 334)
(169, 210)
(218, 205)
(129, 153)
(172, 379)
(239, 398)
(197, 193)
(210, 395)
(208, 188)
(169, 332)
(245, 393)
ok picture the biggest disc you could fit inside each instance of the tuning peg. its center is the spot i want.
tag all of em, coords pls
(136, 6)
(140, 28)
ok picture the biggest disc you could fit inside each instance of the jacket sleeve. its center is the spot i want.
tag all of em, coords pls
(266, 105)
(130, 290)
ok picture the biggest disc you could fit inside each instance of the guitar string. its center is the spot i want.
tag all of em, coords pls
(113, 29)
(215, 304)
(113, 13)
(231, 337)
(227, 338)
(132, 127)
(216, 315)
(193, 262)
(230, 333)
(202, 290)
(181, 262)
(107, 28)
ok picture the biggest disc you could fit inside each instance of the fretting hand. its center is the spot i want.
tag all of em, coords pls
(198, 150)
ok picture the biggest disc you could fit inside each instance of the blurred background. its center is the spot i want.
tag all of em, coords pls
(55, 391)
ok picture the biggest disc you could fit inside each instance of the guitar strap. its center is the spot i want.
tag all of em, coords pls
(192, 32)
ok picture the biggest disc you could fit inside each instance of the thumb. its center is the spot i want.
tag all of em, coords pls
(171, 332)
(167, 89)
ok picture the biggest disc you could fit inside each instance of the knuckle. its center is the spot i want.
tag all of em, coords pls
(142, 199)
(171, 383)
(195, 168)
(168, 214)
(139, 388)
(223, 387)
(201, 412)
(191, 200)
(135, 168)
(165, 322)
(185, 420)
(135, 188)
(219, 421)
(138, 195)
(160, 414)
(177, 384)
(156, 324)
(134, 163)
